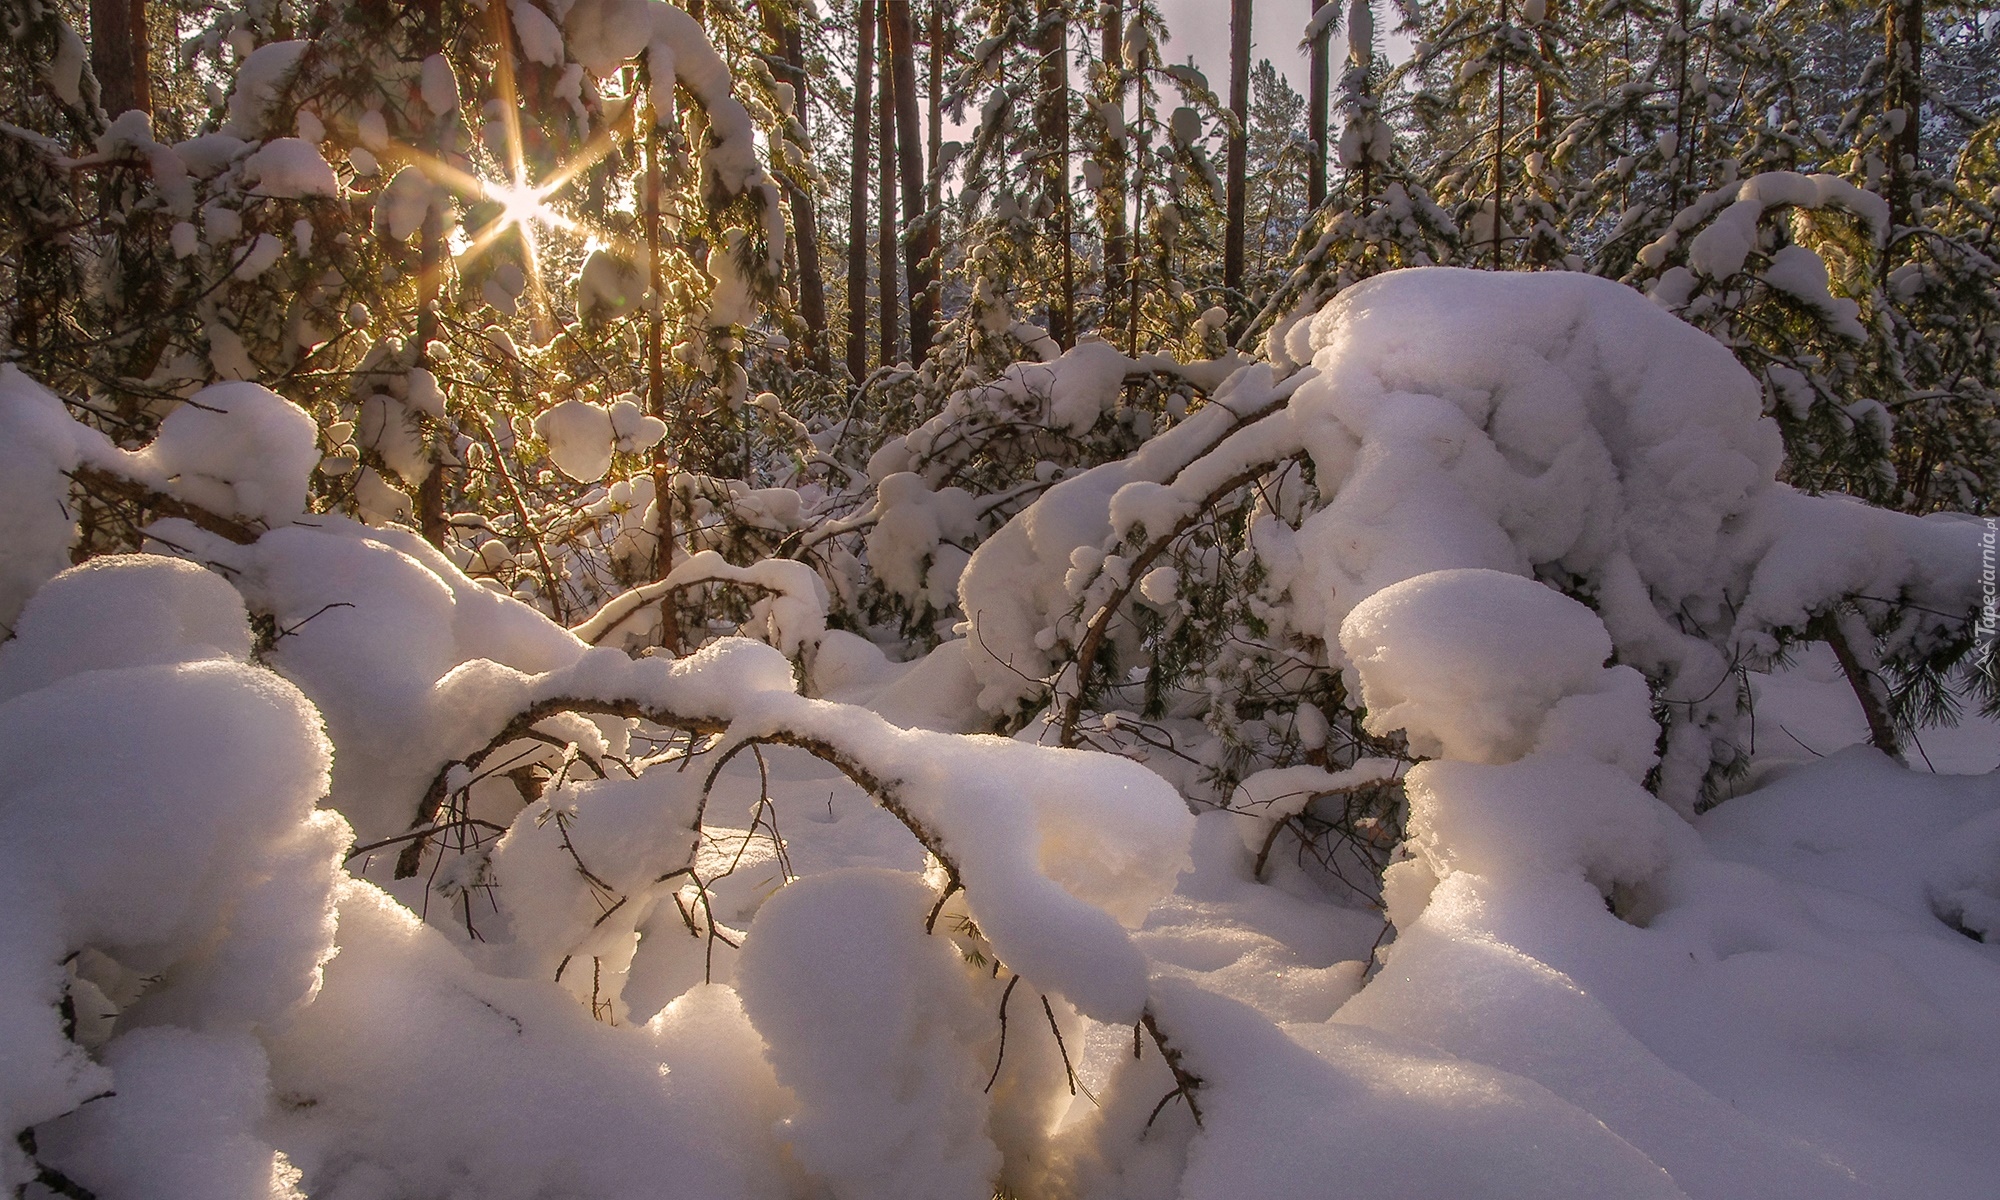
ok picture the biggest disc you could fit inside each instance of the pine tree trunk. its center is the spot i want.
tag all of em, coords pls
(887, 286)
(857, 195)
(430, 285)
(785, 37)
(1317, 103)
(118, 55)
(142, 53)
(1683, 180)
(1113, 158)
(1499, 142)
(1545, 95)
(934, 116)
(1137, 267)
(1902, 103)
(919, 231)
(656, 378)
(1052, 124)
(1239, 147)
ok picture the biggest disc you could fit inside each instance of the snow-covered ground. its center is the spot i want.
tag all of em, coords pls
(728, 940)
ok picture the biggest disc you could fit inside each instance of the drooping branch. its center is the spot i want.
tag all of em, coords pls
(1849, 637)
(622, 606)
(1100, 622)
(103, 483)
(886, 792)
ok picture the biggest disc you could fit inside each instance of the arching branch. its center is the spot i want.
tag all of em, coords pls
(886, 792)
(1100, 622)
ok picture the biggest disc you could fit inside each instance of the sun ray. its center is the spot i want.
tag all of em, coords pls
(524, 205)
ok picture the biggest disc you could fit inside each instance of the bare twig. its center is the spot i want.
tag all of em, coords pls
(1186, 1082)
(1002, 1057)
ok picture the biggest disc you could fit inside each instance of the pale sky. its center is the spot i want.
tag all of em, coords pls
(1201, 28)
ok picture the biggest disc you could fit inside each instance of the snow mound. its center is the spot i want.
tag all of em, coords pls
(881, 1036)
(175, 878)
(1468, 662)
(38, 443)
(290, 168)
(234, 448)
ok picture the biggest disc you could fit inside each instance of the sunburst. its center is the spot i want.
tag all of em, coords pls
(525, 205)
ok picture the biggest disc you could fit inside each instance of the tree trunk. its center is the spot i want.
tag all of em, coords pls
(785, 37)
(1545, 91)
(1683, 180)
(857, 195)
(1500, 142)
(118, 54)
(1136, 269)
(656, 380)
(1902, 104)
(887, 286)
(1052, 125)
(1316, 119)
(1239, 147)
(921, 234)
(430, 285)
(934, 98)
(1113, 157)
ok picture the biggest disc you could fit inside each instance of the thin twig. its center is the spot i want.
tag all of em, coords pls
(1004, 996)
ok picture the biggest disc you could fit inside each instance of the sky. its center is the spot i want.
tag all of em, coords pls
(1201, 28)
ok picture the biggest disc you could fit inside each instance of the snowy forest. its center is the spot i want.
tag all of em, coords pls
(985, 600)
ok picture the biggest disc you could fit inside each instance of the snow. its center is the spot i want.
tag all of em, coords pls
(1548, 425)
(438, 86)
(234, 448)
(1441, 657)
(877, 954)
(260, 77)
(403, 203)
(541, 41)
(200, 892)
(882, 1035)
(290, 168)
(579, 436)
(38, 442)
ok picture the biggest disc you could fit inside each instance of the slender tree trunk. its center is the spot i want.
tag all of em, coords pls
(430, 285)
(919, 231)
(118, 52)
(785, 37)
(1137, 268)
(1500, 143)
(1316, 107)
(934, 115)
(656, 375)
(1683, 180)
(1239, 146)
(1902, 103)
(1545, 91)
(1052, 123)
(142, 55)
(1113, 158)
(887, 286)
(857, 195)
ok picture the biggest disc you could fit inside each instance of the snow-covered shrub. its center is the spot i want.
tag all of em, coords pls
(664, 925)
(1553, 426)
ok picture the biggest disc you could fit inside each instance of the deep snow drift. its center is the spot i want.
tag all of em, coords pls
(733, 941)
